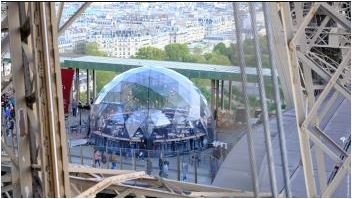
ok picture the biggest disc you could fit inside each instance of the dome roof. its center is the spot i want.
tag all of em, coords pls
(146, 98)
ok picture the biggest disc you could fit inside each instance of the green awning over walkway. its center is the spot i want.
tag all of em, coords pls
(191, 70)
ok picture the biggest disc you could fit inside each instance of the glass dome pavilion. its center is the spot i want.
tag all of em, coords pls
(147, 107)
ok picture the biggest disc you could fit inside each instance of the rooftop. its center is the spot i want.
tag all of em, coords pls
(190, 70)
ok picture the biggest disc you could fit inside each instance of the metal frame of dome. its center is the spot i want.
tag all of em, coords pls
(183, 124)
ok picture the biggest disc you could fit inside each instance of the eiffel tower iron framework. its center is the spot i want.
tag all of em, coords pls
(310, 44)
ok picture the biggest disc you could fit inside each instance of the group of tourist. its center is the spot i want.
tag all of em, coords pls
(101, 161)
(8, 112)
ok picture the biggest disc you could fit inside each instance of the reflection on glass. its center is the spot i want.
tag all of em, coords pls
(150, 108)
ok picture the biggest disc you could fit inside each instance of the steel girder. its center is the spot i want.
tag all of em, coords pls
(41, 150)
(88, 182)
(72, 18)
(319, 52)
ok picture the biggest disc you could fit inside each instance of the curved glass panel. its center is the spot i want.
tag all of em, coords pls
(149, 103)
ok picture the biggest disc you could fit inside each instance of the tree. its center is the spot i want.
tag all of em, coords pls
(248, 49)
(177, 52)
(150, 53)
(216, 58)
(91, 48)
(220, 48)
(197, 50)
(253, 102)
(232, 54)
(102, 77)
(194, 58)
(204, 86)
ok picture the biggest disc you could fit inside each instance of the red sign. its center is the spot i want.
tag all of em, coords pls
(67, 80)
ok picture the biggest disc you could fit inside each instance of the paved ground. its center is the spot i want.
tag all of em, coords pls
(203, 175)
(235, 171)
(230, 136)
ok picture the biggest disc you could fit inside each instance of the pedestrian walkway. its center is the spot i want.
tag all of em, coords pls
(235, 172)
(203, 172)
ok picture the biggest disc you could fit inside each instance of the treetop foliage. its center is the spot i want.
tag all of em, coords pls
(220, 54)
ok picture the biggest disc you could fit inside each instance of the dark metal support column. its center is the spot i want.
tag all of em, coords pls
(217, 96)
(222, 94)
(212, 106)
(88, 87)
(212, 96)
(230, 95)
(77, 85)
(94, 84)
(178, 166)
(195, 155)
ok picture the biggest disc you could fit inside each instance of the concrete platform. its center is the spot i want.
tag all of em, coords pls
(235, 172)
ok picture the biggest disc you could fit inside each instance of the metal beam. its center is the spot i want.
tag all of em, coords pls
(20, 106)
(343, 91)
(265, 116)
(326, 138)
(313, 66)
(344, 64)
(212, 108)
(298, 100)
(10, 153)
(77, 85)
(222, 95)
(217, 100)
(298, 8)
(318, 32)
(321, 168)
(88, 86)
(316, 140)
(124, 193)
(330, 71)
(74, 190)
(162, 187)
(336, 16)
(73, 17)
(7, 188)
(118, 188)
(300, 30)
(6, 178)
(94, 84)
(279, 119)
(253, 163)
(59, 14)
(230, 95)
(91, 192)
(330, 189)
(280, 50)
(50, 112)
(308, 84)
